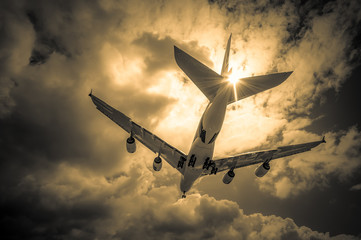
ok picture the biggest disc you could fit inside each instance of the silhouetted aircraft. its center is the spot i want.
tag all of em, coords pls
(221, 90)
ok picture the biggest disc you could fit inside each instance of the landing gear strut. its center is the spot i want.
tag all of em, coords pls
(205, 165)
(214, 170)
(181, 162)
(192, 161)
(184, 194)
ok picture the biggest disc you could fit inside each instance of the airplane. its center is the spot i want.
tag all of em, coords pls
(199, 161)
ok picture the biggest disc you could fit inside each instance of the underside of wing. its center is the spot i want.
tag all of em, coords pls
(148, 139)
(251, 158)
(207, 80)
(157, 145)
(244, 159)
(249, 86)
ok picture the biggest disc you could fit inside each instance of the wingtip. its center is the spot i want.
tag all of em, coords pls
(176, 50)
(91, 91)
(323, 139)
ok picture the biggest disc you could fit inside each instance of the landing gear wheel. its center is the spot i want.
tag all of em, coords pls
(184, 195)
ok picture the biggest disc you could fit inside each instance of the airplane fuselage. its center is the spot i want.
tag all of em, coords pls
(200, 155)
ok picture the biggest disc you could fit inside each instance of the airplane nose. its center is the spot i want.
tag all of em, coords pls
(184, 185)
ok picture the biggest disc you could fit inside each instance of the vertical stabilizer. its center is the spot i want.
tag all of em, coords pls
(225, 65)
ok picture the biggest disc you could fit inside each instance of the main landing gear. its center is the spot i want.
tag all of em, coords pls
(209, 163)
(184, 194)
(181, 162)
(192, 161)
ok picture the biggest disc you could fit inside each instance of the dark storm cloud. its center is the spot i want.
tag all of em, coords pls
(44, 45)
(356, 187)
(13, 45)
(76, 205)
(43, 123)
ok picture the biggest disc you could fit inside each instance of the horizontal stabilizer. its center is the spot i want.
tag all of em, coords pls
(207, 80)
(249, 86)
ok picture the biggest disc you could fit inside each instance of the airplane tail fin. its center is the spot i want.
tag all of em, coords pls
(210, 82)
(225, 65)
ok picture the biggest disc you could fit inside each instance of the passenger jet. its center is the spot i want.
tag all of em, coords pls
(220, 92)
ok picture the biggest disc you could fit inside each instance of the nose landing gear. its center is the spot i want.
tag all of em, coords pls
(184, 194)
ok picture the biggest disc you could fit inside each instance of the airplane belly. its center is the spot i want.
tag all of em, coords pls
(200, 152)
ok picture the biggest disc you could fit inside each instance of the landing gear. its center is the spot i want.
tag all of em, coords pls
(192, 161)
(206, 162)
(184, 194)
(181, 162)
(209, 163)
(214, 170)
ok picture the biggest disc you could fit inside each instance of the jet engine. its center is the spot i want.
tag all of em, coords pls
(228, 177)
(131, 147)
(262, 169)
(157, 164)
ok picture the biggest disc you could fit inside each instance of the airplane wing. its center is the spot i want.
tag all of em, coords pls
(148, 139)
(251, 158)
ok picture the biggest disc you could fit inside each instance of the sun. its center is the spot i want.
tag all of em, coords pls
(233, 78)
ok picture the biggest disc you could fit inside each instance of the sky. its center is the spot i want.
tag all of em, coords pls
(65, 172)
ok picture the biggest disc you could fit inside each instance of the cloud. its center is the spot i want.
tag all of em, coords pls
(301, 42)
(356, 187)
(64, 170)
(14, 52)
(338, 157)
(74, 204)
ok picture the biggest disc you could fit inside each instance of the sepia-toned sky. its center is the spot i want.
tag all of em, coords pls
(64, 169)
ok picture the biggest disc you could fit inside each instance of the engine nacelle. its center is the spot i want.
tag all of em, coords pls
(157, 164)
(228, 177)
(131, 147)
(262, 169)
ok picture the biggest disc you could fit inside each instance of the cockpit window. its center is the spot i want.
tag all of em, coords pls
(213, 138)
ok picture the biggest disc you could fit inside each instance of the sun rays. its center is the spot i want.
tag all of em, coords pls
(233, 79)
